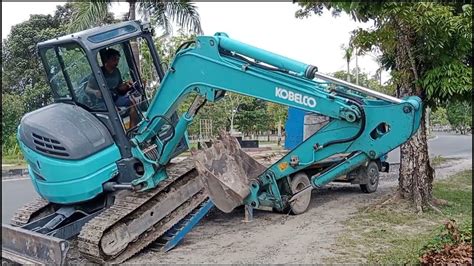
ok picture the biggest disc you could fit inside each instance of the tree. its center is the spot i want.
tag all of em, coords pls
(428, 47)
(232, 104)
(167, 45)
(459, 114)
(439, 116)
(218, 112)
(252, 116)
(368, 82)
(279, 114)
(24, 86)
(12, 110)
(183, 13)
(63, 14)
(348, 56)
(22, 71)
(21, 66)
(378, 72)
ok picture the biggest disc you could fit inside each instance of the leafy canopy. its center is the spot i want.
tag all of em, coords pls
(459, 115)
(440, 34)
(162, 14)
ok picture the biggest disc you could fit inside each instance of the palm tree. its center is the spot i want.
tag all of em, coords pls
(183, 13)
(379, 70)
(348, 50)
(162, 13)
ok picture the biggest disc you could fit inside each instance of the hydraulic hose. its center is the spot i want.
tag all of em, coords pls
(167, 121)
(359, 104)
(184, 45)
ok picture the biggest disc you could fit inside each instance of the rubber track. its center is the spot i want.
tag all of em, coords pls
(23, 215)
(129, 205)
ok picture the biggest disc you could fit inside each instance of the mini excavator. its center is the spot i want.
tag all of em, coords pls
(116, 188)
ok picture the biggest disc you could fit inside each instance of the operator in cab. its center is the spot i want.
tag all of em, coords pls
(116, 85)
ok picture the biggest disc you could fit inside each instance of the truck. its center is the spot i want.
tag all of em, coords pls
(115, 187)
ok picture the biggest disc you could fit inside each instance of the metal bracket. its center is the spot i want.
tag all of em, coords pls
(294, 161)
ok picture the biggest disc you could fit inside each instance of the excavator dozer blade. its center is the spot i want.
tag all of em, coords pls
(227, 172)
(27, 247)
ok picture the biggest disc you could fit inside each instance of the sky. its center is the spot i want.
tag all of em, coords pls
(271, 26)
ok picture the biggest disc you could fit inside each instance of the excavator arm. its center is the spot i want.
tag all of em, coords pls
(363, 125)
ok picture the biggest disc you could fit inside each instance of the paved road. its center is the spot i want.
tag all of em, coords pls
(444, 144)
(15, 193)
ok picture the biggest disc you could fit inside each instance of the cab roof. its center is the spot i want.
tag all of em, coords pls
(100, 36)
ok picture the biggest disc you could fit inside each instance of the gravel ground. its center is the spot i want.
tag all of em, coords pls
(280, 238)
(277, 238)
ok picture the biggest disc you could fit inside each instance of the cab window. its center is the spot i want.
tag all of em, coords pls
(69, 73)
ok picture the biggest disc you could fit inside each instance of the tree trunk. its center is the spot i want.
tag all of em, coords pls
(232, 122)
(348, 71)
(428, 122)
(357, 66)
(279, 132)
(416, 173)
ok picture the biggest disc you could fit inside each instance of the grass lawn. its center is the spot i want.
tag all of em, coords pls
(394, 233)
(13, 160)
(438, 160)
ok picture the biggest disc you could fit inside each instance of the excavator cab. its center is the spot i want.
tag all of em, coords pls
(86, 120)
(75, 69)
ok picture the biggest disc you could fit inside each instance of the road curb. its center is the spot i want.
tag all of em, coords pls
(14, 172)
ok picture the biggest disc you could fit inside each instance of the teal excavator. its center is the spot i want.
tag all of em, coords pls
(115, 187)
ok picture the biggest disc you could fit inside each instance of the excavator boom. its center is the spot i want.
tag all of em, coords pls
(364, 124)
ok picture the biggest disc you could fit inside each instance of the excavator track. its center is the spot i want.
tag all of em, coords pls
(136, 219)
(32, 210)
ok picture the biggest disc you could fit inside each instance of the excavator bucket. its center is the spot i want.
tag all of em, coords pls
(27, 247)
(227, 172)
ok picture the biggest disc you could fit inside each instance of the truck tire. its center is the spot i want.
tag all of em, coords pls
(298, 182)
(371, 174)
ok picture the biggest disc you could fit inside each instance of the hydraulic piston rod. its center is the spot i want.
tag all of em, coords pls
(358, 88)
(267, 57)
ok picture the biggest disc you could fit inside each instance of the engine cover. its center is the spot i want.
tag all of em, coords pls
(64, 131)
(70, 153)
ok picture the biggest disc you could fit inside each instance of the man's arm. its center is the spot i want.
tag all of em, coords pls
(92, 87)
(123, 87)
